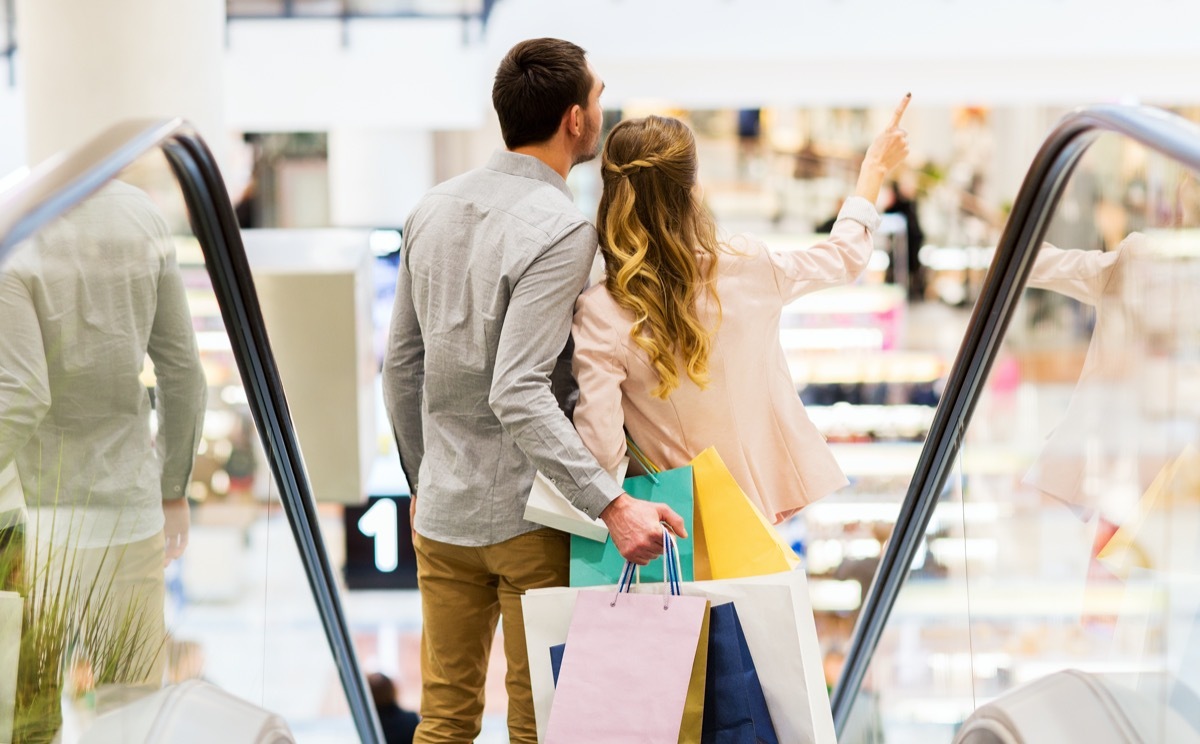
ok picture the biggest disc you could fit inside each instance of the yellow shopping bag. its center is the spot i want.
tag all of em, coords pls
(1161, 533)
(732, 538)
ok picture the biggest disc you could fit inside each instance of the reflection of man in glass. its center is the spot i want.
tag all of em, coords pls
(81, 306)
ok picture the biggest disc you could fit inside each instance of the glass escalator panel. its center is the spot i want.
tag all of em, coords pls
(1055, 593)
(1091, 416)
(149, 569)
(918, 685)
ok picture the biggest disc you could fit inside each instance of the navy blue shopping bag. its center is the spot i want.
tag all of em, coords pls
(735, 709)
(556, 657)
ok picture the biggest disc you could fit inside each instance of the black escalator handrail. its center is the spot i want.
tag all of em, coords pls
(1157, 130)
(63, 182)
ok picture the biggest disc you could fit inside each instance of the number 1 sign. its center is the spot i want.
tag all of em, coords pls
(379, 552)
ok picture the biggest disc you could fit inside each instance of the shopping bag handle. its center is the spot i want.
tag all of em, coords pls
(672, 572)
(651, 469)
(672, 575)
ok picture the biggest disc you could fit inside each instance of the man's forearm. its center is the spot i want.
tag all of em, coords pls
(404, 375)
(181, 425)
(402, 399)
(530, 415)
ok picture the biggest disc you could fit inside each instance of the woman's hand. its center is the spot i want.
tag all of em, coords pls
(889, 149)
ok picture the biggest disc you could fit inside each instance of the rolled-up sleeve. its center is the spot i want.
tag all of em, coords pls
(599, 370)
(839, 260)
(536, 326)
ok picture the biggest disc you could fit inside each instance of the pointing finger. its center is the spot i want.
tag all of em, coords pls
(900, 109)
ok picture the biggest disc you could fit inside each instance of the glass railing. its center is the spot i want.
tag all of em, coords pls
(159, 546)
(1041, 580)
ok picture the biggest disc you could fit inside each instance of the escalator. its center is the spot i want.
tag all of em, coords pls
(1065, 506)
(132, 337)
(1058, 491)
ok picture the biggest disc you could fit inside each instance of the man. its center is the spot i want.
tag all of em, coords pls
(492, 264)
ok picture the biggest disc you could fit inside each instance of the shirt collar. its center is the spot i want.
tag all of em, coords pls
(527, 166)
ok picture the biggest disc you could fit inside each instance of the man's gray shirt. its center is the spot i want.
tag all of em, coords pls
(492, 264)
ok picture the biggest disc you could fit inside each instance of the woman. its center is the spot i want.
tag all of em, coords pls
(681, 343)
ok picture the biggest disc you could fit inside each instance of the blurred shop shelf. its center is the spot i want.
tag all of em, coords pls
(870, 366)
(900, 459)
(946, 600)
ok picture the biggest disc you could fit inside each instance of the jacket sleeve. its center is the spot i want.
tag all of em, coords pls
(1080, 275)
(599, 370)
(839, 260)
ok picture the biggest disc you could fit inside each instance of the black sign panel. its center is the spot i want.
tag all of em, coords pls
(379, 550)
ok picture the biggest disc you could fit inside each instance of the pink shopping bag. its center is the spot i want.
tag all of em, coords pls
(628, 670)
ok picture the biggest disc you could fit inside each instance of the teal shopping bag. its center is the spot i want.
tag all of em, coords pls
(596, 563)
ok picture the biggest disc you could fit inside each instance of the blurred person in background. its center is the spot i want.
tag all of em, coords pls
(399, 725)
(750, 148)
(901, 199)
(827, 226)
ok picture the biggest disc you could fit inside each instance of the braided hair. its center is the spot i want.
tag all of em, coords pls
(652, 228)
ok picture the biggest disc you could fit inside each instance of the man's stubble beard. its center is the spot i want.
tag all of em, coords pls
(592, 151)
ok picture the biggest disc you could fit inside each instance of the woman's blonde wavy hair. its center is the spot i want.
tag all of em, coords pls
(653, 234)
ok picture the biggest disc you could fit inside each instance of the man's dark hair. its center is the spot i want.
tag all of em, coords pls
(536, 83)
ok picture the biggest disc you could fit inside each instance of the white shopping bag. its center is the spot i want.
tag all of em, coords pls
(776, 616)
(547, 506)
(547, 615)
(11, 606)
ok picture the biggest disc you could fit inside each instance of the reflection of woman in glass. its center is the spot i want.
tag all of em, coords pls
(1133, 409)
(82, 304)
(681, 344)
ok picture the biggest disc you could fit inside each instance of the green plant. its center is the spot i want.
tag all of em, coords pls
(77, 633)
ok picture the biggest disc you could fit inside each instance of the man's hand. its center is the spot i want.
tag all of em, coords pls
(177, 518)
(412, 514)
(636, 527)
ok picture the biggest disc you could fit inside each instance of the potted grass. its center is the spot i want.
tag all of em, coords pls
(77, 636)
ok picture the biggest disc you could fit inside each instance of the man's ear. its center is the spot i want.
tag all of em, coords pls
(574, 120)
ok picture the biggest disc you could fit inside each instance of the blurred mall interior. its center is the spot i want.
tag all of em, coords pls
(330, 118)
